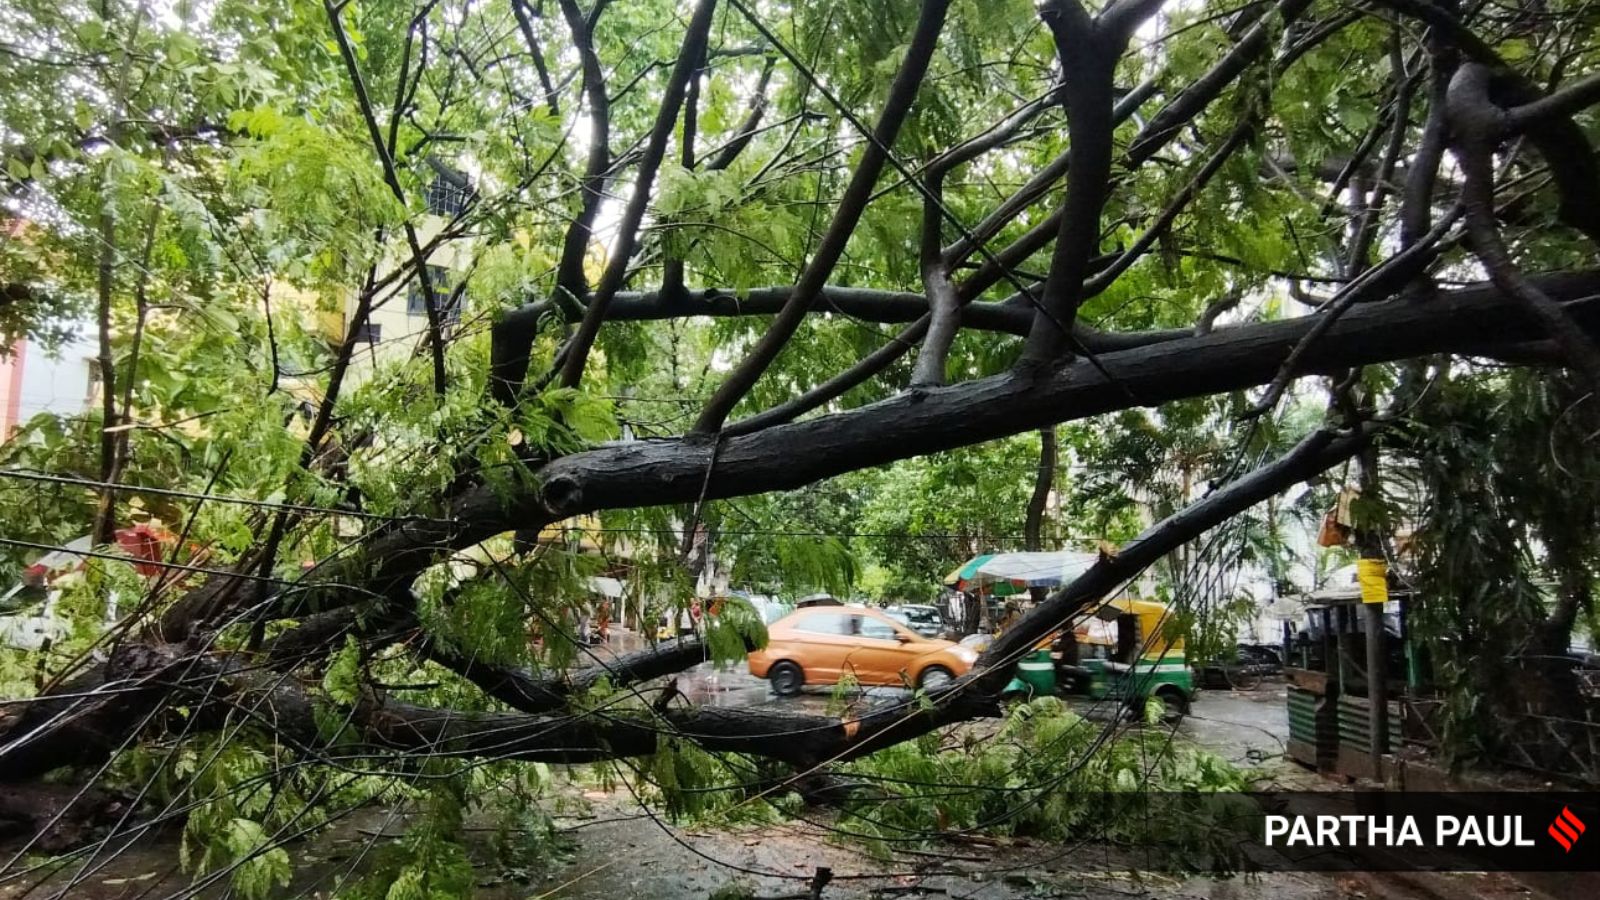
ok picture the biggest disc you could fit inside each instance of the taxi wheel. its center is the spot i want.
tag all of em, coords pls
(934, 676)
(786, 678)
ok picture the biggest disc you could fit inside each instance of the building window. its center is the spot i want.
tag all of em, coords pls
(444, 300)
(369, 333)
(446, 195)
(439, 280)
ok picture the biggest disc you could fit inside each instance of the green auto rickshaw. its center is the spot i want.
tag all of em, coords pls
(1128, 649)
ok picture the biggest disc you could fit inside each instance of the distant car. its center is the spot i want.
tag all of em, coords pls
(824, 644)
(924, 620)
(978, 642)
(1252, 663)
(31, 626)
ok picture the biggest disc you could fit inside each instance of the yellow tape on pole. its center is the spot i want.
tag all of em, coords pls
(1373, 575)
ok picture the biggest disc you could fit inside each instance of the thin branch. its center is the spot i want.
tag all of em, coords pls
(525, 25)
(569, 272)
(944, 303)
(1422, 174)
(391, 177)
(1367, 225)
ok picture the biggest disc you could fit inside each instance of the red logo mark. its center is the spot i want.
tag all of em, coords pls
(1566, 828)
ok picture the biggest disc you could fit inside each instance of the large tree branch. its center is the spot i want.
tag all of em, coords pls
(1088, 51)
(1564, 146)
(846, 215)
(1573, 98)
(1093, 340)
(944, 302)
(528, 693)
(220, 690)
(643, 473)
(1476, 124)
(646, 472)
(866, 304)
(688, 64)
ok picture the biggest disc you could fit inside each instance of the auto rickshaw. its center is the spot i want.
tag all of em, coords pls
(1126, 649)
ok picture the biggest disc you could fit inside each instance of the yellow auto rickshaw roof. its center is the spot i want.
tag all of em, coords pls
(1153, 619)
(1137, 607)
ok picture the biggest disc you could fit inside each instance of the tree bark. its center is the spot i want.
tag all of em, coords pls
(1043, 482)
(86, 727)
(645, 473)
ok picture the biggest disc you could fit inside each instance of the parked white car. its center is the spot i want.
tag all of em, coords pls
(30, 628)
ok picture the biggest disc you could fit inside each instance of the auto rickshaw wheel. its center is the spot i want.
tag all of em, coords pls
(1240, 679)
(786, 678)
(1174, 700)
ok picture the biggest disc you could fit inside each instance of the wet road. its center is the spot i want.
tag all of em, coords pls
(1247, 728)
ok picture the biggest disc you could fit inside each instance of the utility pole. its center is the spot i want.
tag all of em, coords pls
(1373, 573)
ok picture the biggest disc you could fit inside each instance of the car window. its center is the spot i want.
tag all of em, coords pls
(825, 623)
(877, 629)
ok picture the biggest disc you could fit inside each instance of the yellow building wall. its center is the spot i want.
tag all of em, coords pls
(400, 332)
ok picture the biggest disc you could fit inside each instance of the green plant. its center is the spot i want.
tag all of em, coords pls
(1049, 773)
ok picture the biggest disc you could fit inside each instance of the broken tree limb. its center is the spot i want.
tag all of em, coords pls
(804, 741)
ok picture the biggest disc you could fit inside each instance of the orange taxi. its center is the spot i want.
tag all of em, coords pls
(823, 644)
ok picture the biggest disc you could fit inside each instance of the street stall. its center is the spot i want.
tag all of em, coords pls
(1333, 726)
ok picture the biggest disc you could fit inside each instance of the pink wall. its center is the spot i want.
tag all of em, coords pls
(11, 387)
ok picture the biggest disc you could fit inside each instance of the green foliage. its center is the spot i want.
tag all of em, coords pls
(695, 786)
(342, 681)
(790, 544)
(242, 806)
(263, 867)
(1211, 631)
(928, 515)
(429, 863)
(1051, 774)
(732, 628)
(1506, 498)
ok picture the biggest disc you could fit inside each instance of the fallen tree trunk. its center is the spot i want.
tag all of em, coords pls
(1477, 319)
(808, 741)
(526, 692)
(221, 688)
(652, 472)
